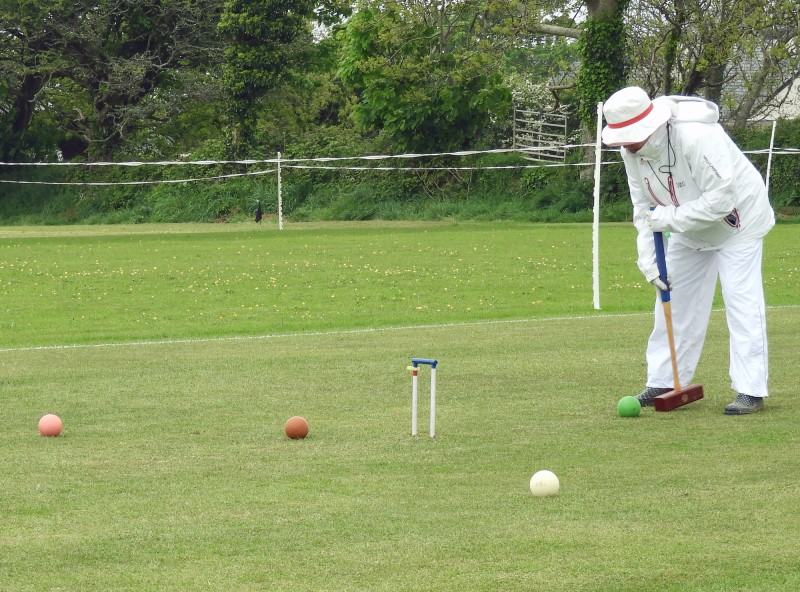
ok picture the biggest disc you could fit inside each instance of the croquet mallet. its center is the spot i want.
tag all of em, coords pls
(678, 397)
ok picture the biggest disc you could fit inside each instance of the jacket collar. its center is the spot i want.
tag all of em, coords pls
(656, 146)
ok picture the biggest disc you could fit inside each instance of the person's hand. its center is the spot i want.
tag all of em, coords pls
(655, 225)
(657, 283)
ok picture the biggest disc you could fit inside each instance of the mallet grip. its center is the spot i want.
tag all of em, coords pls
(661, 263)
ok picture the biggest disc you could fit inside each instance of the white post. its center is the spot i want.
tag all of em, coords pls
(280, 196)
(596, 208)
(769, 157)
(414, 399)
(433, 401)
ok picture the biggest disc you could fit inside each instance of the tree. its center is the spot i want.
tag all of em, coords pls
(602, 48)
(130, 51)
(598, 27)
(423, 73)
(767, 63)
(105, 69)
(266, 42)
(30, 57)
(738, 53)
(742, 54)
(604, 56)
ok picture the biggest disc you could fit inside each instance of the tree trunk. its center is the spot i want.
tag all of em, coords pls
(671, 50)
(603, 66)
(602, 9)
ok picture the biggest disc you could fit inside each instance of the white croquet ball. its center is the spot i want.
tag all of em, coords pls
(544, 484)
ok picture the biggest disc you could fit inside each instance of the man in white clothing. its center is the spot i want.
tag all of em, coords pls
(688, 178)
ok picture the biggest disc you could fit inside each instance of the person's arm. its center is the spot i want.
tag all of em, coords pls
(641, 208)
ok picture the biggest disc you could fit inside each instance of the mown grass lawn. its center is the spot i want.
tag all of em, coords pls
(174, 359)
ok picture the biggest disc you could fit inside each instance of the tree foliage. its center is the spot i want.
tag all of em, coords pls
(420, 73)
(267, 41)
(604, 56)
(112, 78)
(103, 71)
(742, 54)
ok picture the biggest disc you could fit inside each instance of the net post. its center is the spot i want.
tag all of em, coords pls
(280, 196)
(596, 209)
(769, 158)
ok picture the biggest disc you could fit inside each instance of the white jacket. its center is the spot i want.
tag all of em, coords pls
(718, 197)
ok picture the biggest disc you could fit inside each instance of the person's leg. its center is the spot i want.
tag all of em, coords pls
(694, 279)
(743, 293)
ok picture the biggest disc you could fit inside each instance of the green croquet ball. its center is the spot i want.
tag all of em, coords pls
(629, 406)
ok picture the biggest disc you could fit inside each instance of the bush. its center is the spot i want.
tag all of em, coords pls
(450, 188)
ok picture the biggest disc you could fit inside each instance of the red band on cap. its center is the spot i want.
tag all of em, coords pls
(633, 120)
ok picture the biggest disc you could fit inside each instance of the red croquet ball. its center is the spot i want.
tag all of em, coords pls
(50, 425)
(296, 427)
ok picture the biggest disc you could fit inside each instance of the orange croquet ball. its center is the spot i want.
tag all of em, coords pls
(296, 427)
(50, 425)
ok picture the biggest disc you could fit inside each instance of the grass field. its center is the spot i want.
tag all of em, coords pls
(175, 354)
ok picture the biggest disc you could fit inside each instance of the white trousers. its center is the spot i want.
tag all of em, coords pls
(694, 279)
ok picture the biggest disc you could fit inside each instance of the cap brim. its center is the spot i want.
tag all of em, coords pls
(639, 131)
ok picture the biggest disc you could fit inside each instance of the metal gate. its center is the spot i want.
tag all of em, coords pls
(542, 134)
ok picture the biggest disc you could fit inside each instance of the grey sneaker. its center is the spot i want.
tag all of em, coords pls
(744, 404)
(646, 397)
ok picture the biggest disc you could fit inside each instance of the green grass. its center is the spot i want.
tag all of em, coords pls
(173, 472)
(82, 287)
(111, 284)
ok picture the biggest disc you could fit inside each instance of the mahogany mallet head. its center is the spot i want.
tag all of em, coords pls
(678, 397)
